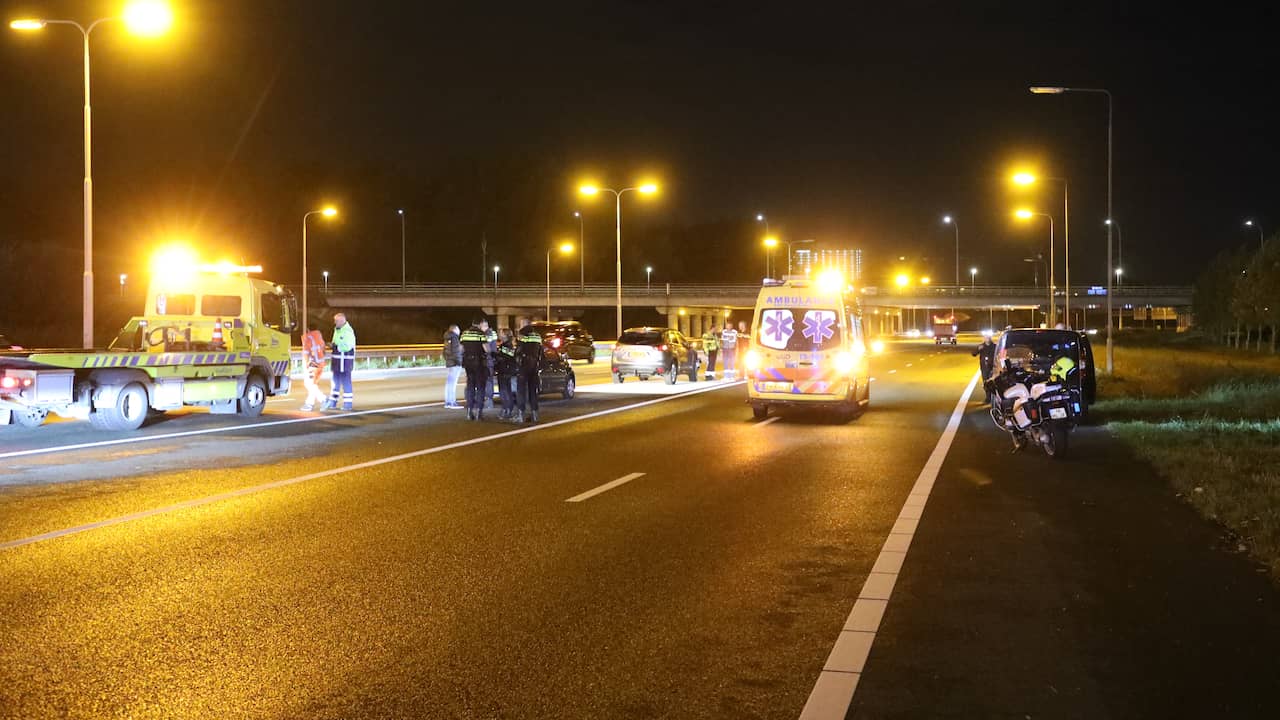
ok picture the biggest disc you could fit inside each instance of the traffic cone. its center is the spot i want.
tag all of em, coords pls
(217, 332)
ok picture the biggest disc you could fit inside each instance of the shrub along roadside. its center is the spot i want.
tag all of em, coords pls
(1208, 420)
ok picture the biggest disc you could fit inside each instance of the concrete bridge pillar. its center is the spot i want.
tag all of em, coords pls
(695, 325)
(673, 320)
(503, 320)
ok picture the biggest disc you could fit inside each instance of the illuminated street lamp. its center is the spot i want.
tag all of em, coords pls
(123, 277)
(1025, 178)
(769, 244)
(146, 18)
(496, 268)
(329, 212)
(1258, 227)
(591, 190)
(325, 273)
(648, 279)
(1059, 90)
(948, 220)
(565, 249)
(902, 280)
(973, 278)
(1027, 215)
(760, 218)
(924, 280)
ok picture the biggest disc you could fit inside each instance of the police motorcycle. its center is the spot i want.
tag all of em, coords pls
(1036, 400)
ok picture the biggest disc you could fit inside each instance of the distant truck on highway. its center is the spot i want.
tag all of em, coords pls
(209, 336)
(944, 329)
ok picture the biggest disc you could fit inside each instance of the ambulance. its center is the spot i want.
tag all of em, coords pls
(808, 348)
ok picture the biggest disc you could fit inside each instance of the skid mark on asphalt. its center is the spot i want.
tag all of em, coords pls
(838, 681)
(196, 502)
(605, 487)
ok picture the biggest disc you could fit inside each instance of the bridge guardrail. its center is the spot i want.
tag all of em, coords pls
(386, 356)
(562, 290)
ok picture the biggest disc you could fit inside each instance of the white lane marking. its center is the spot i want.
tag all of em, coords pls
(605, 487)
(206, 431)
(908, 364)
(340, 470)
(836, 684)
(773, 419)
(892, 372)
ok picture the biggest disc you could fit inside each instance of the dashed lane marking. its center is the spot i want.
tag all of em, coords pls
(196, 502)
(833, 692)
(605, 487)
(892, 372)
(769, 421)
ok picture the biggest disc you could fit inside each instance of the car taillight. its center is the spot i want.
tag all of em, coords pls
(555, 342)
(663, 348)
(8, 383)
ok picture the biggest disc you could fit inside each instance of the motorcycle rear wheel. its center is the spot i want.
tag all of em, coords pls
(1055, 442)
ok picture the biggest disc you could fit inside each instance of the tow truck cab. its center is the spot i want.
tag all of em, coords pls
(211, 336)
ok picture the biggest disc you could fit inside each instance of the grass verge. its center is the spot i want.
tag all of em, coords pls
(1208, 419)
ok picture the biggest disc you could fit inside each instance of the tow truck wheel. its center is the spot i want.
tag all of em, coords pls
(759, 412)
(254, 399)
(29, 418)
(127, 412)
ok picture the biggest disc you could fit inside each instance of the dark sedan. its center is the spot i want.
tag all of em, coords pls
(569, 337)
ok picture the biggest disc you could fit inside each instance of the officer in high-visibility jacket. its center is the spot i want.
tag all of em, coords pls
(529, 353)
(711, 343)
(343, 361)
(313, 368)
(475, 361)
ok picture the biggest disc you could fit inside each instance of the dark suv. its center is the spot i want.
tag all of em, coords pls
(1039, 347)
(569, 337)
(646, 351)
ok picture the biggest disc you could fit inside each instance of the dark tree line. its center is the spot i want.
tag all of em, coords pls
(1237, 297)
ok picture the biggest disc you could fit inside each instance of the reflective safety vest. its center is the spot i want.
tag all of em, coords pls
(474, 347)
(530, 348)
(313, 348)
(710, 342)
(729, 338)
(344, 349)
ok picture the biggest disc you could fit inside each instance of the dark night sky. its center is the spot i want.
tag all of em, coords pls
(855, 127)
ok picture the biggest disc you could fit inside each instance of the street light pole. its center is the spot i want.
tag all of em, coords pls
(326, 212)
(123, 277)
(646, 188)
(1058, 90)
(326, 281)
(648, 280)
(149, 18)
(402, 263)
(973, 279)
(496, 268)
(947, 219)
(1257, 226)
(582, 255)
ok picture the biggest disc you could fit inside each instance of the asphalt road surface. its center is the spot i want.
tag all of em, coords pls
(644, 552)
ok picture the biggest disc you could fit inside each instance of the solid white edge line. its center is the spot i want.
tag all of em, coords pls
(207, 431)
(838, 681)
(196, 502)
(605, 487)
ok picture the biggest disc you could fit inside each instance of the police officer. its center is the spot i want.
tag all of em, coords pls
(475, 361)
(529, 353)
(491, 346)
(729, 343)
(342, 363)
(711, 343)
(506, 367)
(986, 354)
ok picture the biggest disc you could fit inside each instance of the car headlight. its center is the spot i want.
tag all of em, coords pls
(753, 360)
(877, 346)
(845, 361)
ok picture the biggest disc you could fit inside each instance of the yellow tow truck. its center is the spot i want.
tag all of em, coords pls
(209, 336)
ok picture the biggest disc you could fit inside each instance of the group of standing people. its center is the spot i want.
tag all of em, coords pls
(724, 344)
(509, 359)
(342, 358)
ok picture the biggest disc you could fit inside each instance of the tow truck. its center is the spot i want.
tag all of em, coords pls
(210, 336)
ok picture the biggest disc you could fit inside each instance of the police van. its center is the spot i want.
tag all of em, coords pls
(808, 348)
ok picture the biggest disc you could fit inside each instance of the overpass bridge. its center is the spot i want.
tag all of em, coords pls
(691, 306)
